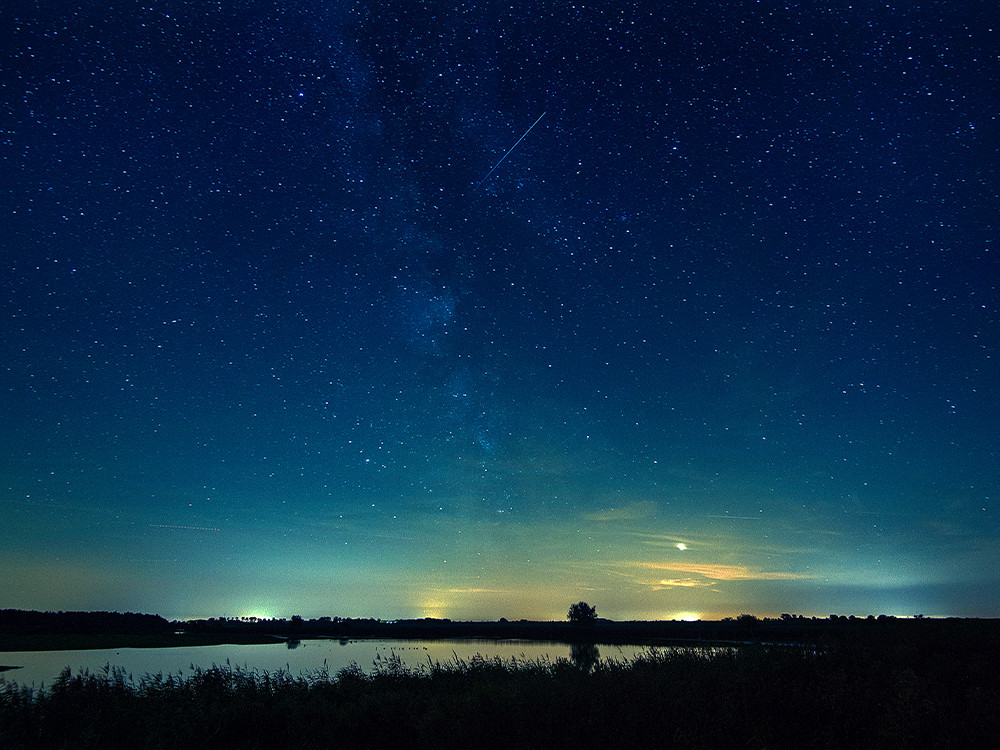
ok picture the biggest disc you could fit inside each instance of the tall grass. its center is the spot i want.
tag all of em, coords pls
(728, 697)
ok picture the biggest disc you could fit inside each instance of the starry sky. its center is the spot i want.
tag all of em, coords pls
(718, 334)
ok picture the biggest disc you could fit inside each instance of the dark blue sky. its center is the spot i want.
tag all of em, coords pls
(718, 335)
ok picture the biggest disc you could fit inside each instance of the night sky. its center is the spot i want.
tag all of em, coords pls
(718, 335)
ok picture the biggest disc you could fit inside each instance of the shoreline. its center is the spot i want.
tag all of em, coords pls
(811, 633)
(65, 631)
(96, 641)
(91, 642)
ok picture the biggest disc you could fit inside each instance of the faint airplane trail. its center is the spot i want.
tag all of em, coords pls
(510, 149)
(189, 528)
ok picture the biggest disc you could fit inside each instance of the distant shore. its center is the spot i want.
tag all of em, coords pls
(87, 641)
(47, 631)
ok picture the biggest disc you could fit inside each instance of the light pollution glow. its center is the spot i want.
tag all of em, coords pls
(487, 571)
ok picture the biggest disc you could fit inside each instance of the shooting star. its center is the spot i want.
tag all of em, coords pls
(511, 149)
(188, 528)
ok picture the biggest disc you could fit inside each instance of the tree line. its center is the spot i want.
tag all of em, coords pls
(31, 622)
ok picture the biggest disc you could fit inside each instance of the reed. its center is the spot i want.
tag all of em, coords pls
(776, 697)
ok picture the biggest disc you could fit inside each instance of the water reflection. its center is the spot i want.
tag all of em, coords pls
(297, 656)
(584, 655)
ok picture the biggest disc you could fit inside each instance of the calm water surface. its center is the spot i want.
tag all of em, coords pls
(42, 667)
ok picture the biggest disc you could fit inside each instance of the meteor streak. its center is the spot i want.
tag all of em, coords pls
(511, 149)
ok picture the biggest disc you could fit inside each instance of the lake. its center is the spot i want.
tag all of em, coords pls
(42, 667)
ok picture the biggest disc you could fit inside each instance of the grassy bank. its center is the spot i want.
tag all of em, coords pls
(877, 695)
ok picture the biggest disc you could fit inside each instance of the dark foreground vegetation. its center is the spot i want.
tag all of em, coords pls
(902, 688)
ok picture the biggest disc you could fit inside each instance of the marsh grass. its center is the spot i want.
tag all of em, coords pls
(699, 697)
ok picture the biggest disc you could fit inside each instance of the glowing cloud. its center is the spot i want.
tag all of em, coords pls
(725, 572)
(669, 583)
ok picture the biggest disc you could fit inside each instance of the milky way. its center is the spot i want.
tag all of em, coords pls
(718, 336)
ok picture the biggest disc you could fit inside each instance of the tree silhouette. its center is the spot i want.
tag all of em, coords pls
(582, 613)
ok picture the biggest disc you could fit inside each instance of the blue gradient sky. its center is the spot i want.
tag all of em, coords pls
(718, 336)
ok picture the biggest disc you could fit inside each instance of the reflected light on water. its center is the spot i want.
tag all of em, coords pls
(38, 667)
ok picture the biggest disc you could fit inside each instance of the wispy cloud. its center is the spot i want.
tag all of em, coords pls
(724, 572)
(663, 540)
(634, 511)
(780, 546)
(669, 583)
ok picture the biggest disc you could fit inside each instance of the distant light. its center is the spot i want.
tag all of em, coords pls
(257, 615)
(681, 546)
